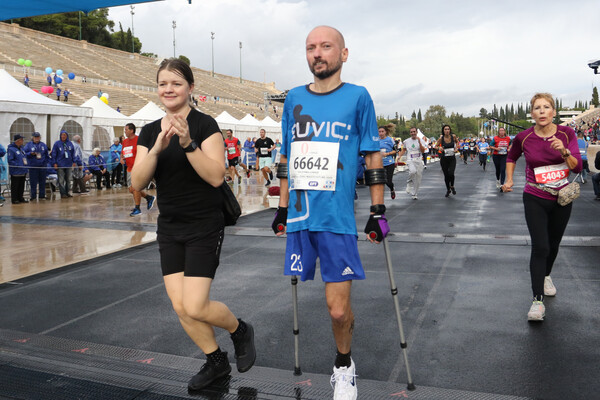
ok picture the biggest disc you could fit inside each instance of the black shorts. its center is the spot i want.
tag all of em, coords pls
(233, 161)
(194, 254)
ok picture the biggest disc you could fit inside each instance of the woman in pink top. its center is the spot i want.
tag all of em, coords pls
(551, 152)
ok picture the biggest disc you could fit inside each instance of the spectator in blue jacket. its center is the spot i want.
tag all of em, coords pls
(97, 166)
(17, 168)
(58, 94)
(63, 154)
(3, 172)
(115, 160)
(37, 158)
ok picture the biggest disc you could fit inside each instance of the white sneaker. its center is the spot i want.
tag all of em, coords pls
(549, 288)
(498, 185)
(343, 382)
(415, 197)
(537, 311)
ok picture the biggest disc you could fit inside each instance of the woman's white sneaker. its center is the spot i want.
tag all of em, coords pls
(549, 288)
(537, 311)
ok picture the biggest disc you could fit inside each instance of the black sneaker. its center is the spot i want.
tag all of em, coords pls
(208, 374)
(270, 175)
(268, 183)
(245, 352)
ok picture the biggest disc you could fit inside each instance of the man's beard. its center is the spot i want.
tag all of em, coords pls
(326, 73)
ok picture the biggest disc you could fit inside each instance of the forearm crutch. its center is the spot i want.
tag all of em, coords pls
(394, 289)
(297, 370)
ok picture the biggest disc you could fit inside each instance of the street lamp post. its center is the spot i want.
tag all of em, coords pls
(240, 62)
(212, 51)
(132, 34)
(174, 26)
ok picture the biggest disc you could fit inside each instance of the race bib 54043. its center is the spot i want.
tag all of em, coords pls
(313, 165)
(552, 176)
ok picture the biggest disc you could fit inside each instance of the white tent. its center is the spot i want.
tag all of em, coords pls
(270, 122)
(149, 113)
(108, 123)
(227, 121)
(104, 115)
(272, 127)
(249, 120)
(250, 126)
(23, 109)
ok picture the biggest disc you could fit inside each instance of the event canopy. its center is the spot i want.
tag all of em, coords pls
(270, 123)
(17, 101)
(226, 118)
(249, 120)
(31, 8)
(104, 115)
(13, 90)
(149, 113)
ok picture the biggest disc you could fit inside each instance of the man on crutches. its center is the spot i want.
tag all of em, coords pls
(325, 125)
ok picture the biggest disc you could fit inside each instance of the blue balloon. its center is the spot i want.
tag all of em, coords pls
(48, 70)
(58, 79)
(71, 75)
(59, 72)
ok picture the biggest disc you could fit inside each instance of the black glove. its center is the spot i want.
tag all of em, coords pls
(377, 227)
(280, 220)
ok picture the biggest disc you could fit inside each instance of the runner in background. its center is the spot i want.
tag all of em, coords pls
(388, 150)
(500, 144)
(414, 148)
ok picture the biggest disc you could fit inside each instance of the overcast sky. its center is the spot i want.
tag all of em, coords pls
(461, 54)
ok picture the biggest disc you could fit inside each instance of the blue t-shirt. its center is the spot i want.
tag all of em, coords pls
(346, 116)
(483, 147)
(583, 145)
(386, 145)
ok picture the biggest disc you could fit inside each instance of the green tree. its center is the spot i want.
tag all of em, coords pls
(595, 101)
(435, 118)
(414, 115)
(184, 59)
(483, 113)
(419, 116)
(96, 28)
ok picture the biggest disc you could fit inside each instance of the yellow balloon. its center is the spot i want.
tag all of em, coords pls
(104, 100)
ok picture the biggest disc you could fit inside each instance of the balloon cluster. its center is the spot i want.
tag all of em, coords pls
(104, 98)
(47, 89)
(59, 74)
(23, 62)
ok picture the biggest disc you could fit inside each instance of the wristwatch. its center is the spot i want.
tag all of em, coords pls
(191, 147)
(377, 209)
(567, 154)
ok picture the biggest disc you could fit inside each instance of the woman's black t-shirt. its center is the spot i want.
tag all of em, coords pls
(186, 202)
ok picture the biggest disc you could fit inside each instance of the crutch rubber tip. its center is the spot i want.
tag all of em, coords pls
(411, 386)
(297, 371)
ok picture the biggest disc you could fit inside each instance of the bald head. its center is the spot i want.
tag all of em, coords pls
(325, 53)
(333, 33)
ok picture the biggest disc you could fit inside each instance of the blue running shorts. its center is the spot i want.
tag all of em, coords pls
(337, 253)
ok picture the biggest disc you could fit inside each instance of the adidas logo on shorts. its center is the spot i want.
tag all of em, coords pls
(348, 271)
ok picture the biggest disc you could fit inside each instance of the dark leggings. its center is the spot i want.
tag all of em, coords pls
(389, 175)
(500, 164)
(448, 166)
(546, 221)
